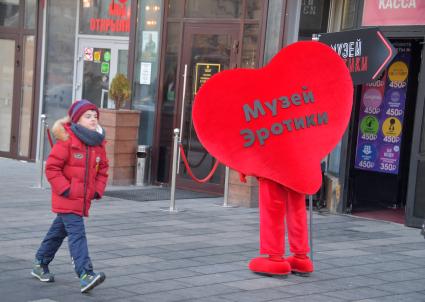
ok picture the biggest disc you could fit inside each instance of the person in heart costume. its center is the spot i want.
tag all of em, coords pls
(277, 123)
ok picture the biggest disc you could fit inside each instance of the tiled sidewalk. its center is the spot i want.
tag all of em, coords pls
(199, 254)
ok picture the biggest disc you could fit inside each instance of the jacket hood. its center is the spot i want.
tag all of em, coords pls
(58, 129)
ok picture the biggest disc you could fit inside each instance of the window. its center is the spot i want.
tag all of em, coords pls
(106, 17)
(146, 71)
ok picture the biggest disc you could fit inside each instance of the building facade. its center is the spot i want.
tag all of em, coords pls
(53, 52)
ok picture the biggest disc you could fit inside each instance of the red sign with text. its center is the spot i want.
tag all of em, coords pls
(119, 20)
(393, 12)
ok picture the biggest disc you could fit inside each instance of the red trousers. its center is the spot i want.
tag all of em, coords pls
(278, 203)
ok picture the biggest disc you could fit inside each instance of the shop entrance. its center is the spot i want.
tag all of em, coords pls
(382, 140)
(16, 95)
(7, 81)
(98, 62)
(207, 49)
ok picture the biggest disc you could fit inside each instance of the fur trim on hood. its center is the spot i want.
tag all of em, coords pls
(58, 129)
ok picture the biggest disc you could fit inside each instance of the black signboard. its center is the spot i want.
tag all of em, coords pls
(313, 18)
(204, 71)
(365, 51)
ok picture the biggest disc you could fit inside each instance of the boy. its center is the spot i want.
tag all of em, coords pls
(77, 171)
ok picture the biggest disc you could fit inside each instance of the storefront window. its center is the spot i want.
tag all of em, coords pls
(146, 66)
(30, 14)
(106, 17)
(253, 9)
(250, 44)
(9, 13)
(349, 14)
(169, 99)
(175, 9)
(7, 75)
(59, 69)
(313, 18)
(26, 98)
(214, 9)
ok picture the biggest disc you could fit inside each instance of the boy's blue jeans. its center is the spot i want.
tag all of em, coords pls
(70, 225)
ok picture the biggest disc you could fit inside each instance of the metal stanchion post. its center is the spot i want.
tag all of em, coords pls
(182, 115)
(225, 203)
(310, 211)
(172, 208)
(43, 126)
(226, 187)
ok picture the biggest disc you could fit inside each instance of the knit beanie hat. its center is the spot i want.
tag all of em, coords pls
(78, 108)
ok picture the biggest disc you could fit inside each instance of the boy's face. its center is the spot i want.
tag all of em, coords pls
(89, 120)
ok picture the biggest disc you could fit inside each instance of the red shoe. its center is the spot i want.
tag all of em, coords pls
(272, 265)
(301, 265)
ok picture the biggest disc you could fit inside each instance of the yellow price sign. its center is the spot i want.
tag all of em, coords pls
(391, 127)
(96, 56)
(398, 71)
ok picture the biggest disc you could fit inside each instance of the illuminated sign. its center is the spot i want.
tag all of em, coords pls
(118, 21)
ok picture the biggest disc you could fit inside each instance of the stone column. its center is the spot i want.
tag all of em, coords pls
(243, 194)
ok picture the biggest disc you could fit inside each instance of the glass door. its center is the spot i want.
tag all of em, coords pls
(207, 50)
(98, 62)
(7, 84)
(415, 204)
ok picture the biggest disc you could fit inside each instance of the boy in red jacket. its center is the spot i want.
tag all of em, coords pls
(77, 171)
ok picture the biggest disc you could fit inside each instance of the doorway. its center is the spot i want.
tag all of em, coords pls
(207, 50)
(415, 207)
(98, 61)
(16, 95)
(7, 81)
(382, 141)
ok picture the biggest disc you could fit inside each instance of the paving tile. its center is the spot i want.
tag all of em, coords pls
(258, 295)
(205, 291)
(309, 298)
(171, 274)
(357, 294)
(258, 283)
(402, 287)
(155, 287)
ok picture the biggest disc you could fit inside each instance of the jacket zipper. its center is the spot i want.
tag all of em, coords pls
(85, 180)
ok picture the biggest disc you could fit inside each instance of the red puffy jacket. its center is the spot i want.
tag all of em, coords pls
(73, 165)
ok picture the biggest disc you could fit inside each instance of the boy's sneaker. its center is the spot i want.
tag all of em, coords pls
(41, 272)
(90, 280)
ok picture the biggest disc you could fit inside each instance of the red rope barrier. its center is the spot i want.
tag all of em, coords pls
(49, 136)
(189, 171)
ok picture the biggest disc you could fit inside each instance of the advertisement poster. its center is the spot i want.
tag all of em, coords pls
(381, 117)
(145, 73)
(204, 71)
(149, 45)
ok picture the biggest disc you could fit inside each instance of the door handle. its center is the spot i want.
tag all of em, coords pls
(183, 101)
(182, 114)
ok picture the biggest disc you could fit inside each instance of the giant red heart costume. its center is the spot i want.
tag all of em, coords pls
(277, 123)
